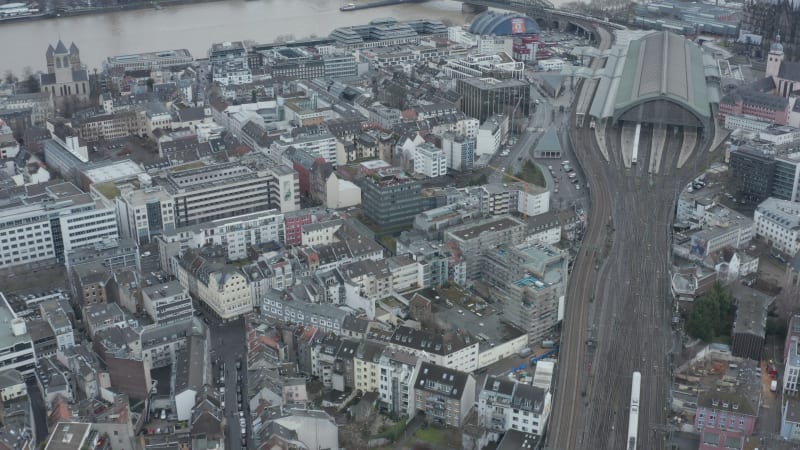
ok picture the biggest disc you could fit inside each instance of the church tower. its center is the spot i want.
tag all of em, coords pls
(775, 59)
(63, 66)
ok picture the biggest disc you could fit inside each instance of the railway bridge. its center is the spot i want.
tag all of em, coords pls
(548, 17)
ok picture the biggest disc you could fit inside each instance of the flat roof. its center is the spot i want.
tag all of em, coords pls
(68, 436)
(496, 224)
(7, 338)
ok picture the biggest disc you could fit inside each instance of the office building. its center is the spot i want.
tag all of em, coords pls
(323, 145)
(235, 235)
(167, 302)
(791, 357)
(429, 160)
(391, 200)
(216, 192)
(229, 64)
(484, 97)
(498, 65)
(778, 222)
(16, 345)
(492, 134)
(143, 213)
(459, 151)
(48, 221)
(164, 59)
(758, 175)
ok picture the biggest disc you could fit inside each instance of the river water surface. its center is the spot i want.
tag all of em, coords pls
(195, 27)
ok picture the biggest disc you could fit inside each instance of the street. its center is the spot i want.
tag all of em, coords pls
(228, 347)
(547, 114)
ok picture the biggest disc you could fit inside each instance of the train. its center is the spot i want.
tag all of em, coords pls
(633, 419)
(635, 157)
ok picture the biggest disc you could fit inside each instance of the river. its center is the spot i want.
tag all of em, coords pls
(195, 27)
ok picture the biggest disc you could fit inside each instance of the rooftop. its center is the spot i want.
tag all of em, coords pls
(68, 436)
(498, 224)
(7, 337)
(441, 380)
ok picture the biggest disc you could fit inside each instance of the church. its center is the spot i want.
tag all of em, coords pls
(785, 74)
(65, 76)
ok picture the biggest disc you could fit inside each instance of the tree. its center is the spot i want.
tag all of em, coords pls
(9, 77)
(30, 81)
(712, 315)
(150, 83)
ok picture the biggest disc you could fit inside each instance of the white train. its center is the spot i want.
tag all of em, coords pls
(633, 420)
(635, 157)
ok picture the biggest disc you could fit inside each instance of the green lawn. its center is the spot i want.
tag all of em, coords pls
(439, 437)
(530, 173)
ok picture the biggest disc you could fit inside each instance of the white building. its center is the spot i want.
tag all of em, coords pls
(491, 135)
(16, 346)
(35, 230)
(459, 151)
(396, 386)
(235, 235)
(746, 122)
(485, 65)
(791, 356)
(778, 222)
(341, 193)
(167, 302)
(324, 145)
(552, 64)
(490, 45)
(452, 350)
(144, 213)
(505, 404)
(54, 314)
(430, 161)
(229, 63)
(530, 199)
(780, 135)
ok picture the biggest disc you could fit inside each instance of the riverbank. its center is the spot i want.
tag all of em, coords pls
(103, 10)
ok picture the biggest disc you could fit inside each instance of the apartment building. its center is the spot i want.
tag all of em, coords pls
(778, 222)
(473, 239)
(444, 395)
(452, 349)
(367, 366)
(53, 312)
(221, 288)
(48, 221)
(505, 404)
(530, 282)
(396, 382)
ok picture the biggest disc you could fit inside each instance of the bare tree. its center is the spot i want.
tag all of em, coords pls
(9, 77)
